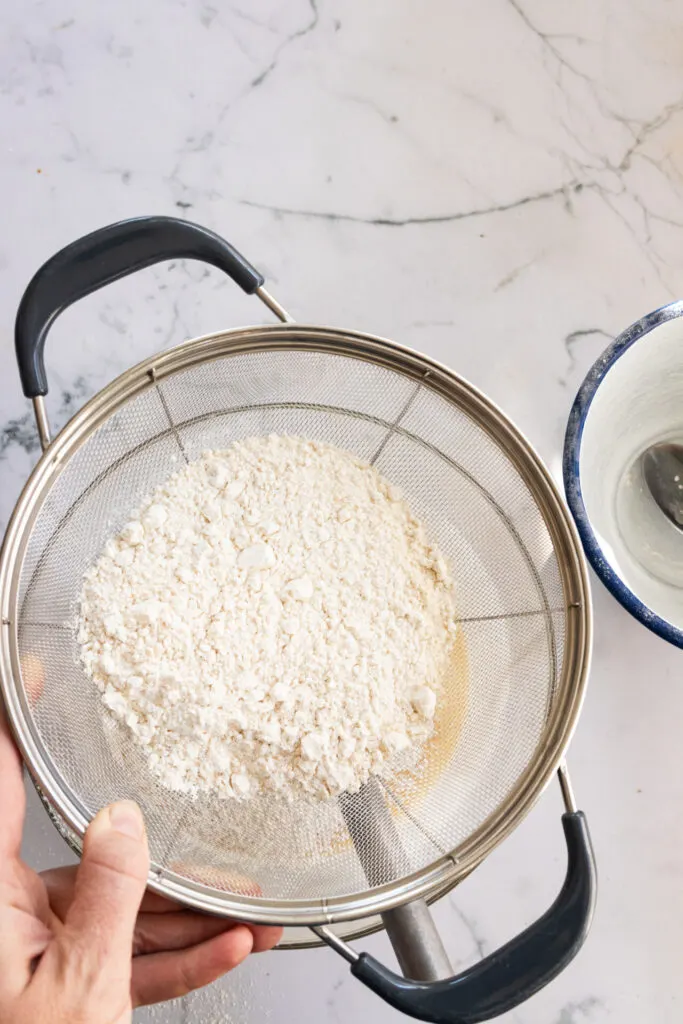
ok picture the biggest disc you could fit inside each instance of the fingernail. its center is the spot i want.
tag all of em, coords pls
(126, 817)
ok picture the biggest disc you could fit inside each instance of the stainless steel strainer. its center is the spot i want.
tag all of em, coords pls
(512, 695)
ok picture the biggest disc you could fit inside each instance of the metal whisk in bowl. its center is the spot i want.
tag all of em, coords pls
(510, 700)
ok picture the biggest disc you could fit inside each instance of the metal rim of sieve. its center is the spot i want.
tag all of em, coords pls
(447, 870)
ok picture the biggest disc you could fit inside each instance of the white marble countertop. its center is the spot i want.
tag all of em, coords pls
(498, 184)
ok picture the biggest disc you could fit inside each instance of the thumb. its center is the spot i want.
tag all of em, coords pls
(110, 884)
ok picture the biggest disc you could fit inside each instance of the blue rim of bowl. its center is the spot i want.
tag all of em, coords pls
(571, 470)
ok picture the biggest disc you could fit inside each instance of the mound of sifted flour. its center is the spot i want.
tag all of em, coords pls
(272, 620)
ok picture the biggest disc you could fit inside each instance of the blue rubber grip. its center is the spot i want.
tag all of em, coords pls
(518, 969)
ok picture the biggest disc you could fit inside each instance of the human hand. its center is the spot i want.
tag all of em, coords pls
(86, 944)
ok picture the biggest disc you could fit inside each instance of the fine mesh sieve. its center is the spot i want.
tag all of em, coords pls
(513, 688)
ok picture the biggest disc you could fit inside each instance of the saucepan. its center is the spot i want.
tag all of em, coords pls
(382, 854)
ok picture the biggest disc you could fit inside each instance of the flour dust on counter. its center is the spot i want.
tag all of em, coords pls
(273, 620)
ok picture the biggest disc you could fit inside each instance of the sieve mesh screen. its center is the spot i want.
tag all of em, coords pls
(497, 693)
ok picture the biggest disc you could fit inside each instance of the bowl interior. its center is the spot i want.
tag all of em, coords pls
(638, 401)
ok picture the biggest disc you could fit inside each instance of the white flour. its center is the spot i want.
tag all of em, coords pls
(273, 619)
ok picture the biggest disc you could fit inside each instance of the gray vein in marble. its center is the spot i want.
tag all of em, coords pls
(640, 132)
(609, 196)
(299, 34)
(209, 135)
(471, 926)
(113, 322)
(663, 220)
(72, 398)
(208, 14)
(571, 340)
(331, 1001)
(44, 58)
(572, 1013)
(546, 40)
(245, 16)
(198, 145)
(570, 37)
(648, 252)
(644, 130)
(393, 120)
(366, 101)
(496, 113)
(513, 275)
(648, 128)
(21, 430)
(193, 145)
(120, 51)
(175, 320)
(444, 218)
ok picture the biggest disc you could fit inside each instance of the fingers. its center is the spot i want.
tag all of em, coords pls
(12, 797)
(161, 976)
(23, 937)
(265, 936)
(218, 878)
(33, 675)
(156, 933)
(60, 884)
(153, 903)
(109, 886)
(162, 924)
